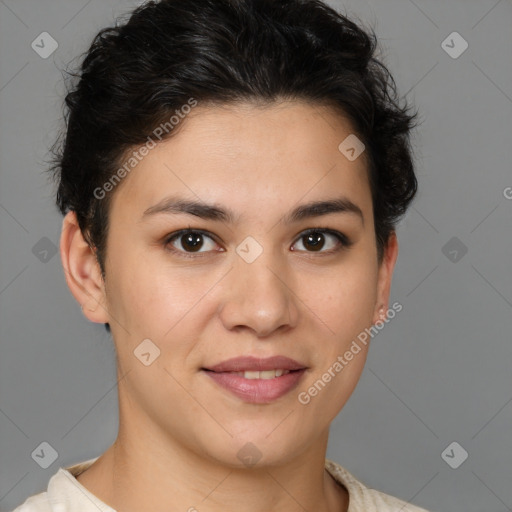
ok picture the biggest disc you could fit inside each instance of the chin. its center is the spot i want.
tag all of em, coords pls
(269, 447)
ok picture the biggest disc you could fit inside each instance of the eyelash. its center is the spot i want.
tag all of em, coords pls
(344, 241)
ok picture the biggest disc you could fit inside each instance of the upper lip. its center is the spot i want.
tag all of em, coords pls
(250, 363)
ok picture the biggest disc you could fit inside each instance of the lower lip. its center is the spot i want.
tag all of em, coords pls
(257, 391)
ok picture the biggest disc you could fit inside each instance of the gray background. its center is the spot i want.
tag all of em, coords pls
(437, 373)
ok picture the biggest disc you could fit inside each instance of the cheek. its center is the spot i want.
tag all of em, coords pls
(345, 309)
(343, 299)
(344, 302)
(155, 298)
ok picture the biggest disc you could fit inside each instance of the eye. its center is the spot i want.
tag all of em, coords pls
(192, 242)
(189, 241)
(315, 240)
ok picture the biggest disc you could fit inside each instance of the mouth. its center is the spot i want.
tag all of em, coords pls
(256, 364)
(265, 375)
(257, 381)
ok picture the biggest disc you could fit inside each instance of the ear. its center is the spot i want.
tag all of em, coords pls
(82, 271)
(384, 279)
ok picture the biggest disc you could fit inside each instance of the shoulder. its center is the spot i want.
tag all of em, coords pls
(36, 503)
(385, 502)
(64, 493)
(364, 499)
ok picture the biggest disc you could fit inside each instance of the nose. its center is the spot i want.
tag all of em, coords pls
(259, 297)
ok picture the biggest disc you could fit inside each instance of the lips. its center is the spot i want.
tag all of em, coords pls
(241, 377)
(254, 364)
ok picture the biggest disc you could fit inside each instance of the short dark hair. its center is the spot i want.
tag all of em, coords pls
(136, 74)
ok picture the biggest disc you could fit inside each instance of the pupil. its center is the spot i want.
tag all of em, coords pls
(193, 241)
(315, 240)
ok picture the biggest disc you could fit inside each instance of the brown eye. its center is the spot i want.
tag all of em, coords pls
(314, 240)
(190, 241)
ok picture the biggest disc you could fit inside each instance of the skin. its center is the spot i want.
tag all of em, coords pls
(179, 432)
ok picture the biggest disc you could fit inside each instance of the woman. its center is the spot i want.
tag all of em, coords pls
(231, 177)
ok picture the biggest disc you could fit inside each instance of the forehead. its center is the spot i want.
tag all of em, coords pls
(250, 157)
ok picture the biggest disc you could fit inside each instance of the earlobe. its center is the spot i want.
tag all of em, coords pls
(82, 271)
(385, 277)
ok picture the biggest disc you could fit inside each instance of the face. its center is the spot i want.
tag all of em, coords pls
(241, 275)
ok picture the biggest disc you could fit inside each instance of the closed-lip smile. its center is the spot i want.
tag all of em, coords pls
(257, 380)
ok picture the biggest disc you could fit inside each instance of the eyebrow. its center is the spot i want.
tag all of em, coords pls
(175, 205)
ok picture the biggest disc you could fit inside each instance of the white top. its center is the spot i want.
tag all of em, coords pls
(66, 494)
